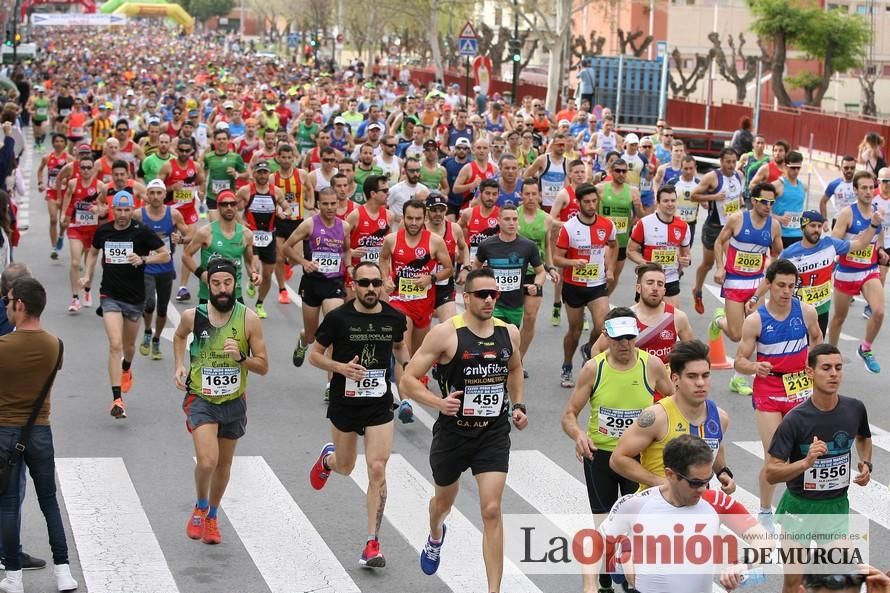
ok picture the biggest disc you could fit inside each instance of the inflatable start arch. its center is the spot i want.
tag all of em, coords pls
(173, 11)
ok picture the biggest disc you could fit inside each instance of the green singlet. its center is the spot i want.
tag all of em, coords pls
(216, 167)
(222, 246)
(535, 231)
(214, 376)
(618, 207)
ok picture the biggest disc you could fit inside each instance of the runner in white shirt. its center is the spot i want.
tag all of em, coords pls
(409, 189)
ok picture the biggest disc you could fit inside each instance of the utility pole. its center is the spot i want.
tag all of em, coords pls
(515, 53)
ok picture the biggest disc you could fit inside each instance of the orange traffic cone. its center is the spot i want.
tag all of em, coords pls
(718, 354)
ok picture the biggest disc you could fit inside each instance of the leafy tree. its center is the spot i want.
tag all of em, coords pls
(781, 22)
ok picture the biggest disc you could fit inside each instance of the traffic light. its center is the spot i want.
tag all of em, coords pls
(515, 47)
(313, 42)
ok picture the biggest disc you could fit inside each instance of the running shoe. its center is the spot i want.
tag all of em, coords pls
(288, 271)
(406, 412)
(555, 315)
(87, 298)
(585, 353)
(283, 297)
(127, 380)
(868, 357)
(524, 374)
(251, 290)
(866, 313)
(699, 303)
(299, 353)
(371, 556)
(74, 307)
(318, 475)
(183, 294)
(60, 242)
(12, 583)
(145, 346)
(431, 554)
(740, 385)
(565, 378)
(54, 255)
(261, 311)
(713, 328)
(30, 562)
(118, 409)
(195, 527)
(212, 535)
(156, 351)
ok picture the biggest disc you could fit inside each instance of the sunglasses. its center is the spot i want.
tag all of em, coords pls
(884, 180)
(695, 483)
(853, 168)
(616, 171)
(793, 166)
(834, 582)
(123, 129)
(627, 337)
(366, 282)
(226, 204)
(486, 293)
(390, 145)
(765, 201)
(329, 160)
(412, 170)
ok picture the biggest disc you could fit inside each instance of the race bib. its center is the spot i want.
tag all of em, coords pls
(42, 111)
(218, 185)
(262, 238)
(815, 295)
(613, 422)
(118, 252)
(688, 213)
(798, 386)
(220, 382)
(86, 218)
(732, 207)
(748, 262)
(328, 263)
(474, 249)
(862, 256)
(64, 112)
(77, 132)
(372, 254)
(483, 401)
(587, 274)
(184, 196)
(620, 223)
(294, 211)
(665, 257)
(794, 222)
(373, 384)
(508, 280)
(51, 181)
(831, 473)
(410, 290)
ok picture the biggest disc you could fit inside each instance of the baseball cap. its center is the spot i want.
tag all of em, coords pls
(810, 216)
(591, 117)
(621, 326)
(447, 107)
(631, 139)
(462, 142)
(430, 144)
(103, 106)
(156, 184)
(262, 166)
(436, 199)
(84, 148)
(376, 125)
(228, 105)
(122, 199)
(226, 195)
(154, 120)
(339, 120)
(564, 122)
(40, 89)
(131, 92)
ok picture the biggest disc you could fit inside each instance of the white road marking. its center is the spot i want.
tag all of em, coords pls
(461, 568)
(117, 548)
(285, 547)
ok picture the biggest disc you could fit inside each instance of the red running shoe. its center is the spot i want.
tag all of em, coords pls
(371, 556)
(211, 531)
(318, 475)
(195, 527)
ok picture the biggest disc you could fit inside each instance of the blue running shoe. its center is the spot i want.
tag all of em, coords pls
(431, 555)
(868, 357)
(406, 412)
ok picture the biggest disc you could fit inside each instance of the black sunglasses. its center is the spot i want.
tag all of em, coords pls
(486, 293)
(366, 282)
(391, 145)
(226, 204)
(412, 170)
(627, 337)
(619, 170)
(695, 483)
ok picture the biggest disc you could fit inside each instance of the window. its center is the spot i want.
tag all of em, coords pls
(842, 7)
(863, 10)
(498, 17)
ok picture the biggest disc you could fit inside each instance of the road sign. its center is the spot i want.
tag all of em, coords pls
(468, 32)
(468, 47)
(661, 49)
(293, 39)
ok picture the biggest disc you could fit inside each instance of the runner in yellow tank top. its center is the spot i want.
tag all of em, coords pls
(618, 385)
(688, 411)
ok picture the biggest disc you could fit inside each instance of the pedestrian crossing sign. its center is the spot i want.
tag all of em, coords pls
(468, 47)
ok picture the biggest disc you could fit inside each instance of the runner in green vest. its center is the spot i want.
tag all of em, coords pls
(305, 134)
(222, 167)
(364, 168)
(227, 343)
(152, 164)
(38, 107)
(620, 203)
(224, 238)
(750, 163)
(534, 224)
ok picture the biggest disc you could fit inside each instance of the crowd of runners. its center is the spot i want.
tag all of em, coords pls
(422, 228)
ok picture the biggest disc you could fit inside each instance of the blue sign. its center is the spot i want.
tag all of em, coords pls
(468, 47)
(293, 39)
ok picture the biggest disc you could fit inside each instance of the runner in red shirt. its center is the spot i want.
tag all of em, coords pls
(412, 260)
(453, 235)
(481, 221)
(53, 163)
(370, 223)
(82, 210)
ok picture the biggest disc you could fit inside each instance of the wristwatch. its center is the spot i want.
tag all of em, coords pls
(871, 468)
(520, 407)
(726, 471)
(242, 359)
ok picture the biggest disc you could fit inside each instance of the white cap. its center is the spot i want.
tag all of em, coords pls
(156, 184)
(477, 88)
(376, 125)
(591, 117)
(221, 126)
(462, 142)
(228, 105)
(131, 92)
(621, 326)
(264, 87)
(340, 120)
(563, 122)
(631, 139)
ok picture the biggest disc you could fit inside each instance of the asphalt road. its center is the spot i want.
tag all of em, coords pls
(127, 487)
